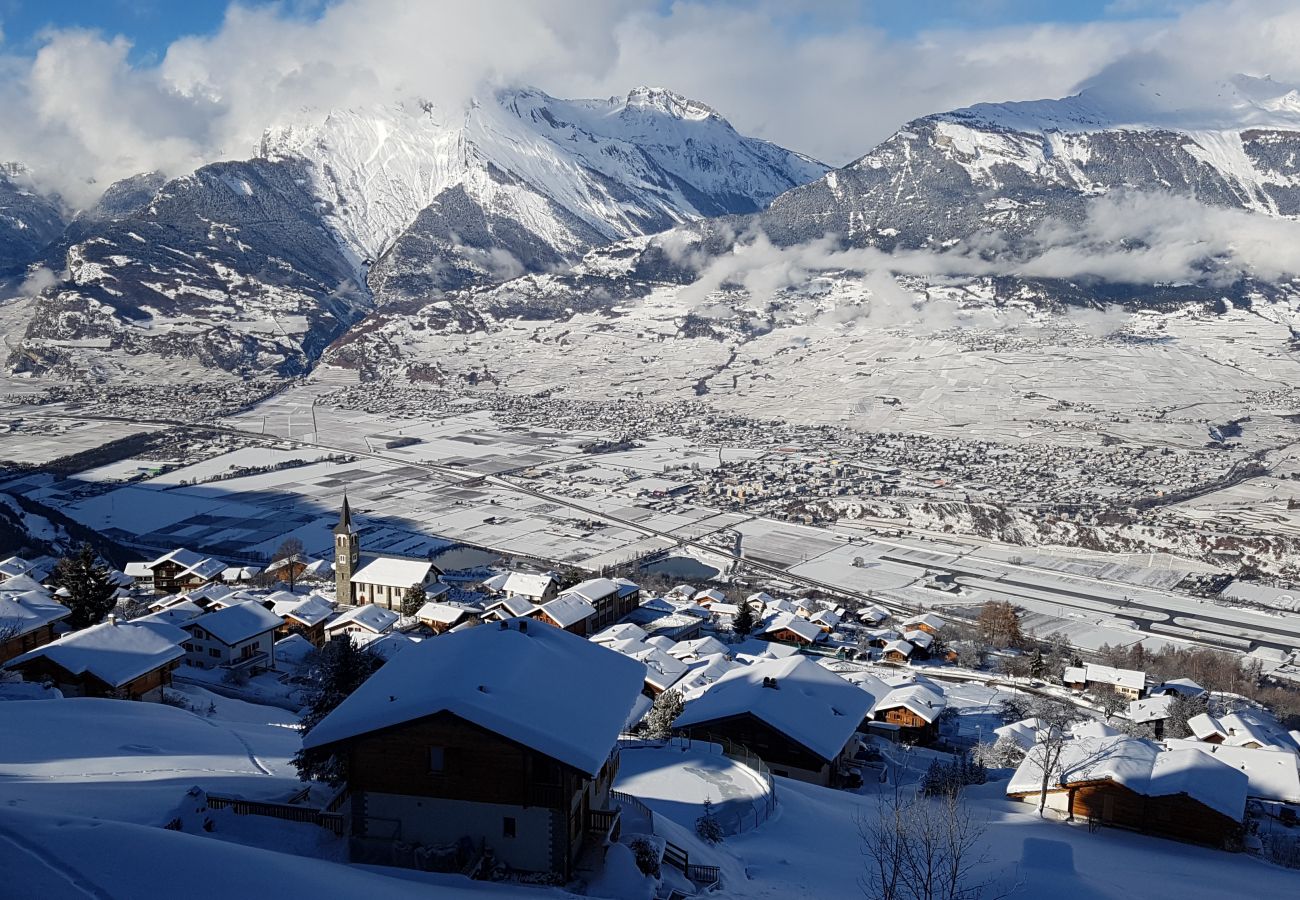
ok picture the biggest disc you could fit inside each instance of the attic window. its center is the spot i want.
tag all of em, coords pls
(437, 760)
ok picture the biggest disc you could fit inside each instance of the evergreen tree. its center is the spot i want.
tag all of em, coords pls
(91, 592)
(1038, 665)
(340, 669)
(414, 598)
(744, 622)
(667, 707)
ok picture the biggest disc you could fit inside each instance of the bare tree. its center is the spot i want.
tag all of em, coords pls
(290, 553)
(923, 849)
(1054, 720)
(999, 625)
(1109, 702)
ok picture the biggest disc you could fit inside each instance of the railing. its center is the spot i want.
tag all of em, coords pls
(285, 811)
(245, 662)
(605, 822)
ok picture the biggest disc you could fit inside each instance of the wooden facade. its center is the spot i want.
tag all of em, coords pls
(168, 578)
(913, 729)
(582, 628)
(786, 636)
(315, 634)
(145, 687)
(447, 758)
(783, 754)
(20, 644)
(1177, 816)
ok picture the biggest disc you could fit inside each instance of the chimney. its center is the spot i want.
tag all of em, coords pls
(523, 626)
(112, 619)
(770, 683)
(505, 626)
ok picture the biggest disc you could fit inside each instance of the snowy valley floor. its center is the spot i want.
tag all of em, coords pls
(86, 784)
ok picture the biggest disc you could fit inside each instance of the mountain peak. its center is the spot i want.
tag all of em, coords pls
(668, 102)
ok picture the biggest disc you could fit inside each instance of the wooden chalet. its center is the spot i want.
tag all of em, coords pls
(914, 709)
(791, 629)
(497, 740)
(27, 621)
(113, 659)
(799, 717)
(183, 570)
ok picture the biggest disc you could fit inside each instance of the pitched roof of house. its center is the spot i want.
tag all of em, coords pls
(311, 611)
(139, 569)
(700, 647)
(593, 589)
(370, 617)
(393, 571)
(709, 595)
(174, 614)
(921, 699)
(703, 674)
(28, 611)
(662, 671)
(809, 704)
(1126, 678)
(542, 687)
(1239, 729)
(115, 652)
(1150, 709)
(527, 584)
(515, 606)
(919, 638)
(1024, 732)
(929, 619)
(568, 609)
(240, 622)
(902, 647)
(809, 631)
(1184, 686)
(1074, 675)
(1272, 774)
(441, 613)
(191, 563)
(239, 573)
(14, 565)
(1139, 765)
(622, 631)
(386, 645)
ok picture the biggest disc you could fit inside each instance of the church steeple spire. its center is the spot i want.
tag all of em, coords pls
(345, 518)
(347, 553)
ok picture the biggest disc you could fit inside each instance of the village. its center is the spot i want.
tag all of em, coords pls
(529, 727)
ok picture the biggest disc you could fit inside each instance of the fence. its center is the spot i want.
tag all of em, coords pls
(330, 820)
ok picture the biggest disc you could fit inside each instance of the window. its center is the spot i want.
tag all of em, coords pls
(437, 760)
(214, 653)
(508, 827)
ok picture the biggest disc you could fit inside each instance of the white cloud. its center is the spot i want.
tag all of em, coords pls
(82, 116)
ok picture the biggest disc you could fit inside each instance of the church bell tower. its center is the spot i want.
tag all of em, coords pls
(347, 553)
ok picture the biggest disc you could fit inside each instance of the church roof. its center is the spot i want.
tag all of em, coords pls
(345, 519)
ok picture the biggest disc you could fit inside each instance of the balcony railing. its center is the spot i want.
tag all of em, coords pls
(247, 662)
(606, 822)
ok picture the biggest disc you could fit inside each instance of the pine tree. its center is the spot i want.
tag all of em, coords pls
(744, 622)
(91, 592)
(414, 598)
(667, 707)
(340, 669)
(1038, 665)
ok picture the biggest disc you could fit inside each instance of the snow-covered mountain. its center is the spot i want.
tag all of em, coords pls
(28, 221)
(256, 266)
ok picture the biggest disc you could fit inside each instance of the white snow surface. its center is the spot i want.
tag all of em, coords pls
(515, 683)
(114, 652)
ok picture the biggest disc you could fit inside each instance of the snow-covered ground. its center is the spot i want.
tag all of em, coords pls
(674, 781)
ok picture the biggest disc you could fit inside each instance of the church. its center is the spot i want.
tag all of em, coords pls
(375, 577)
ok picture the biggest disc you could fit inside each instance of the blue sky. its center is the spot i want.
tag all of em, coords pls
(151, 25)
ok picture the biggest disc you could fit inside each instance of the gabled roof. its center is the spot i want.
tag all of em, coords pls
(700, 647)
(309, 612)
(114, 652)
(1183, 686)
(928, 619)
(902, 647)
(393, 571)
(922, 639)
(441, 613)
(873, 614)
(372, 618)
(28, 611)
(1024, 732)
(593, 589)
(918, 698)
(238, 623)
(527, 584)
(1150, 709)
(662, 670)
(20, 584)
(622, 631)
(1075, 675)
(514, 607)
(762, 597)
(703, 674)
(541, 687)
(568, 609)
(181, 556)
(387, 645)
(809, 631)
(709, 595)
(14, 565)
(138, 569)
(239, 573)
(1271, 774)
(176, 614)
(1126, 678)
(810, 705)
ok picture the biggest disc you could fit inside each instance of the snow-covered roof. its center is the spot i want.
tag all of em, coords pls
(1125, 678)
(441, 613)
(1204, 726)
(181, 556)
(1184, 686)
(293, 649)
(1150, 709)
(237, 623)
(542, 687)
(1024, 732)
(922, 639)
(14, 565)
(780, 606)
(175, 614)
(1074, 675)
(386, 645)
(593, 590)
(826, 617)
(662, 641)
(239, 573)
(700, 647)
(527, 584)
(115, 652)
(623, 631)
(723, 609)
(930, 620)
(709, 595)
(922, 700)
(393, 571)
(626, 586)
(762, 597)
(372, 618)
(514, 606)
(809, 631)
(902, 647)
(138, 569)
(662, 670)
(24, 613)
(309, 612)
(568, 609)
(496, 582)
(1271, 774)
(703, 674)
(810, 705)
(873, 614)
(1139, 765)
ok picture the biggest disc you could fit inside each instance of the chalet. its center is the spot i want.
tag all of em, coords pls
(661, 670)
(799, 717)
(440, 617)
(509, 607)
(239, 637)
(362, 620)
(1125, 682)
(238, 574)
(501, 738)
(175, 615)
(923, 641)
(873, 615)
(292, 569)
(306, 617)
(183, 570)
(914, 709)
(570, 611)
(703, 674)
(16, 565)
(760, 599)
(928, 622)
(374, 578)
(1153, 711)
(28, 621)
(709, 596)
(1126, 782)
(111, 659)
(1182, 687)
(140, 574)
(611, 598)
(792, 630)
(1271, 774)
(897, 652)
(721, 613)
(623, 631)
(1240, 729)
(535, 588)
(699, 648)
